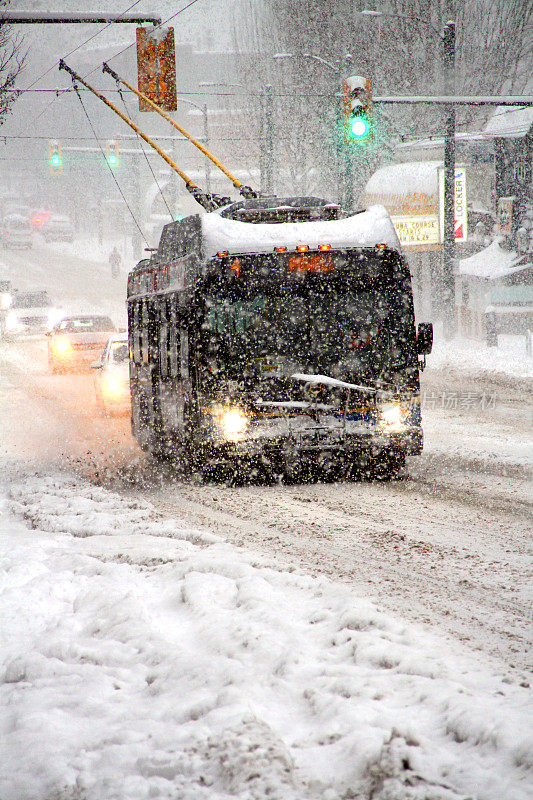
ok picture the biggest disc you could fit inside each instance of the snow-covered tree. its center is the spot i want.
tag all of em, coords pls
(401, 51)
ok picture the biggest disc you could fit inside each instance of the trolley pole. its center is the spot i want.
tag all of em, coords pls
(448, 248)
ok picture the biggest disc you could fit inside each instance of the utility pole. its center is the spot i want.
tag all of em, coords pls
(348, 193)
(448, 248)
(268, 161)
(206, 143)
(266, 141)
(136, 238)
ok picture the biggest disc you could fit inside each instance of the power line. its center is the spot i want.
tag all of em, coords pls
(148, 160)
(165, 22)
(173, 16)
(113, 174)
(94, 35)
(69, 54)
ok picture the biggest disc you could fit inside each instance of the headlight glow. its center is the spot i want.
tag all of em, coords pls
(392, 417)
(12, 321)
(61, 346)
(233, 422)
(5, 300)
(113, 387)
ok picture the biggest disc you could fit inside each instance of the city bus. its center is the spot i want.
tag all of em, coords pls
(276, 336)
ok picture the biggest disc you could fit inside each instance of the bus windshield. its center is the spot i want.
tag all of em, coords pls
(350, 319)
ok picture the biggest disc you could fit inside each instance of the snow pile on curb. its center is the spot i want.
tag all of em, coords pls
(509, 358)
(141, 660)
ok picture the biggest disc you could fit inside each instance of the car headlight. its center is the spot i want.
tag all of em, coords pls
(113, 386)
(12, 321)
(392, 416)
(61, 346)
(232, 422)
(6, 298)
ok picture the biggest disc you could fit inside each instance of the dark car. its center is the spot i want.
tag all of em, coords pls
(77, 341)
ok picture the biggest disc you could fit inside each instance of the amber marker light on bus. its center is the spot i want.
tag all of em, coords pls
(280, 249)
(302, 248)
(222, 254)
(381, 246)
(324, 247)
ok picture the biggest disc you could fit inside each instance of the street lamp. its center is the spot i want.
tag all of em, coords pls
(203, 110)
(266, 141)
(345, 182)
(448, 247)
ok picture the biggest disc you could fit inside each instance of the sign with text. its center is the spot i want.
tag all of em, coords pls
(156, 67)
(416, 231)
(505, 215)
(461, 231)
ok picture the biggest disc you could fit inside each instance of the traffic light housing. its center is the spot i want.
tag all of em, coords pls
(111, 152)
(55, 160)
(357, 108)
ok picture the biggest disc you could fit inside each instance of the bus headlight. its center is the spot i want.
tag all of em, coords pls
(392, 417)
(233, 423)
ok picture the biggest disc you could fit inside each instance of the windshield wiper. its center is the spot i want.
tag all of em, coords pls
(326, 380)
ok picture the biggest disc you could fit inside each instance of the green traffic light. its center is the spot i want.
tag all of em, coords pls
(55, 161)
(359, 127)
(112, 160)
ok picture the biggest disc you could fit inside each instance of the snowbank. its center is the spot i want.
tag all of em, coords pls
(492, 262)
(144, 660)
(508, 358)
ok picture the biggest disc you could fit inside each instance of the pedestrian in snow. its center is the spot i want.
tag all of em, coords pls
(114, 260)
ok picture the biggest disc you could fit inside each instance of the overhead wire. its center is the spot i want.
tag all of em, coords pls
(93, 36)
(165, 22)
(112, 173)
(140, 142)
(78, 47)
(161, 25)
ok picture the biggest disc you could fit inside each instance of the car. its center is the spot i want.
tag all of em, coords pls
(6, 300)
(38, 218)
(75, 341)
(16, 231)
(112, 381)
(30, 313)
(58, 228)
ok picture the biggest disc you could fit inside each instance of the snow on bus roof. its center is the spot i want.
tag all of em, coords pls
(365, 229)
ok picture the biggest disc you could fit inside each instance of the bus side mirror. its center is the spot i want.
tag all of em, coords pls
(424, 338)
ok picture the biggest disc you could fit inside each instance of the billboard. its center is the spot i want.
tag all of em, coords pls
(156, 67)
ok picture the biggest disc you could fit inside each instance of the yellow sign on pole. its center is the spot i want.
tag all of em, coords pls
(415, 231)
(156, 67)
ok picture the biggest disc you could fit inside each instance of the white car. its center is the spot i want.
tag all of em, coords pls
(16, 232)
(112, 380)
(30, 313)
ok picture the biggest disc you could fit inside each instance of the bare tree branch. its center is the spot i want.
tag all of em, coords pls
(12, 58)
